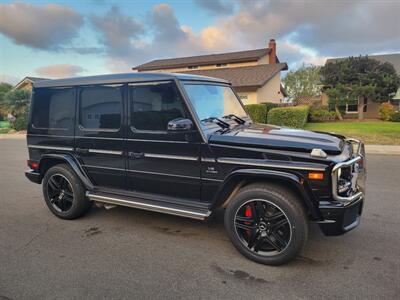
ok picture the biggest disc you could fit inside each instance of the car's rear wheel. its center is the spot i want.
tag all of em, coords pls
(266, 223)
(64, 193)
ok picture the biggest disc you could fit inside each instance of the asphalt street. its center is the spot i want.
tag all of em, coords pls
(129, 253)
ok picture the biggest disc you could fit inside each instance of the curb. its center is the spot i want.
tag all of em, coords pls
(12, 136)
(382, 149)
(369, 149)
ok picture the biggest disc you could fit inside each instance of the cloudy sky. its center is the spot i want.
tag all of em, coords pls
(83, 37)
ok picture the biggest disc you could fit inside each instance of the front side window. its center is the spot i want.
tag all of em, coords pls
(101, 107)
(213, 101)
(153, 106)
(53, 108)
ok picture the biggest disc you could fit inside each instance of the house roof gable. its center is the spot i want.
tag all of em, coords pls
(252, 76)
(201, 60)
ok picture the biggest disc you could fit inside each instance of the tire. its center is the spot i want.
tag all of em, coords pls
(64, 193)
(255, 223)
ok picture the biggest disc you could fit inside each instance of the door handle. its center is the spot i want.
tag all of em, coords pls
(81, 150)
(136, 155)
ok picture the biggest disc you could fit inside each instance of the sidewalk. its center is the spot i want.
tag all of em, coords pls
(369, 149)
(383, 149)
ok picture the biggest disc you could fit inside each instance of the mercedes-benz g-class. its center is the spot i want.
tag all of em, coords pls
(184, 145)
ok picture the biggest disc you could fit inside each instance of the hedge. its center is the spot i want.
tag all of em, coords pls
(294, 116)
(321, 114)
(21, 123)
(258, 112)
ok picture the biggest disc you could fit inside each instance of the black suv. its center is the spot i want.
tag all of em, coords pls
(184, 145)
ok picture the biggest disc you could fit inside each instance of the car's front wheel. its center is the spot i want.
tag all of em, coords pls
(64, 193)
(266, 223)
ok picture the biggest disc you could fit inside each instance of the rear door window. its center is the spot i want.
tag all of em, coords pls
(53, 108)
(101, 107)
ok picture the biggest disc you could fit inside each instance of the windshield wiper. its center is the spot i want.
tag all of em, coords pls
(217, 121)
(235, 118)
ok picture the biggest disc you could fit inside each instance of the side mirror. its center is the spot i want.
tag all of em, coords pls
(180, 124)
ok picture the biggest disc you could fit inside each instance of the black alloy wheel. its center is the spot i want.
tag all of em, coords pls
(267, 223)
(64, 193)
(60, 193)
(262, 227)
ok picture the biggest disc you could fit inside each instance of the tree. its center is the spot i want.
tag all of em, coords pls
(304, 82)
(359, 79)
(17, 102)
(4, 88)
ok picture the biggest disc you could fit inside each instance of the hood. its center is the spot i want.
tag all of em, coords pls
(274, 137)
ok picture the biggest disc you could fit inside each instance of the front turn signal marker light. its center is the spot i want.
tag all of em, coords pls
(316, 176)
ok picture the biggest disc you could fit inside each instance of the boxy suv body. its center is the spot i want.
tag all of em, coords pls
(184, 145)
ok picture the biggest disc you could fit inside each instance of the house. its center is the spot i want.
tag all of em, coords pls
(371, 108)
(254, 74)
(27, 83)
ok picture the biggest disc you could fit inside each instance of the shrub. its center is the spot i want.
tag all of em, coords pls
(321, 114)
(395, 117)
(295, 116)
(386, 110)
(21, 123)
(257, 112)
(269, 106)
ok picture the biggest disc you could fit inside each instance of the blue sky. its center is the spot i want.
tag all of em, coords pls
(76, 38)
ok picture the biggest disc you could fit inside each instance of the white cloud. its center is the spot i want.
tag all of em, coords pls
(59, 71)
(41, 27)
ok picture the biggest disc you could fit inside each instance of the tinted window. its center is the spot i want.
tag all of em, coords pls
(100, 107)
(153, 106)
(53, 108)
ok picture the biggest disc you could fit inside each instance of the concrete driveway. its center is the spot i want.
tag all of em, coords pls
(128, 253)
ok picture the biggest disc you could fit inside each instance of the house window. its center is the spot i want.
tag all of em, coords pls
(352, 108)
(221, 65)
(193, 67)
(243, 97)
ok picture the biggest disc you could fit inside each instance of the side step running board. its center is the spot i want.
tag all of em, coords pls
(199, 214)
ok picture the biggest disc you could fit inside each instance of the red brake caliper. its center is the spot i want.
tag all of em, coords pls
(248, 213)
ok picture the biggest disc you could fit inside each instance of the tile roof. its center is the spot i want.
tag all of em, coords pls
(252, 76)
(201, 60)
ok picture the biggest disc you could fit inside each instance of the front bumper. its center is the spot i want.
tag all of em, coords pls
(343, 213)
(33, 176)
(340, 218)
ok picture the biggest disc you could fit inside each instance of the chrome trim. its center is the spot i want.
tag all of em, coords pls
(49, 135)
(99, 138)
(335, 181)
(157, 141)
(102, 167)
(148, 206)
(334, 174)
(212, 179)
(163, 174)
(165, 156)
(101, 151)
(51, 147)
(263, 163)
(207, 159)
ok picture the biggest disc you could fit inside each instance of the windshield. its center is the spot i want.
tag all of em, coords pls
(214, 101)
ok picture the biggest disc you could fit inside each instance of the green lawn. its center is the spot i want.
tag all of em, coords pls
(4, 124)
(373, 132)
